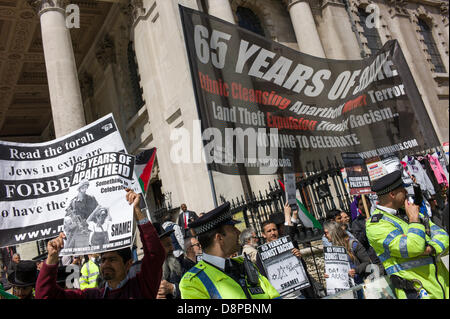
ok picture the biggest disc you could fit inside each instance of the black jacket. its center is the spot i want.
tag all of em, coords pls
(191, 215)
(358, 230)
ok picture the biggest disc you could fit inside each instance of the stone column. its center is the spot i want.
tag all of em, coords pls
(65, 95)
(221, 9)
(305, 27)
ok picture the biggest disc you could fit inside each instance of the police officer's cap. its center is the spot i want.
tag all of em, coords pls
(218, 216)
(388, 183)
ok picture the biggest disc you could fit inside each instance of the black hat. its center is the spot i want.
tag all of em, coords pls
(62, 275)
(388, 183)
(40, 257)
(25, 274)
(161, 231)
(218, 216)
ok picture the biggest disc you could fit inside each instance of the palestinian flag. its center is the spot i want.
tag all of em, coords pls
(306, 217)
(144, 167)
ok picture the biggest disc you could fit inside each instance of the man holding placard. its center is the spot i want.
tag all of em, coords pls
(280, 261)
(114, 267)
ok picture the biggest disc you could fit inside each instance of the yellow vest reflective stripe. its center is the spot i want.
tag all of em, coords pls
(205, 281)
(89, 274)
(400, 246)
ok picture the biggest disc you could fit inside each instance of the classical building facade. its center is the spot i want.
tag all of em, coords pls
(128, 57)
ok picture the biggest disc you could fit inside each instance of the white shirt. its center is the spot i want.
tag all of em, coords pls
(219, 262)
(387, 210)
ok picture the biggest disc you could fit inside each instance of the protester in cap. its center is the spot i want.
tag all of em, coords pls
(114, 266)
(216, 276)
(39, 261)
(23, 279)
(186, 216)
(271, 233)
(172, 269)
(249, 242)
(176, 236)
(407, 243)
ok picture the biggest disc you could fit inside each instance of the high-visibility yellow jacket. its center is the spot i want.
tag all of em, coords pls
(400, 245)
(89, 273)
(205, 281)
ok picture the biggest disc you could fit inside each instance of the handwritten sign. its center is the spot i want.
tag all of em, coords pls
(337, 267)
(284, 271)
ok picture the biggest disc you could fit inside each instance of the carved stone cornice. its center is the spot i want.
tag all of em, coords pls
(398, 8)
(444, 8)
(105, 52)
(42, 6)
(336, 3)
(290, 3)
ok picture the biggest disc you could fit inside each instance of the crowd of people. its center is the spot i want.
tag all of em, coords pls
(195, 257)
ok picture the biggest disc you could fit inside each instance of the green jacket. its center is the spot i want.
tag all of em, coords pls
(400, 246)
(204, 281)
(89, 273)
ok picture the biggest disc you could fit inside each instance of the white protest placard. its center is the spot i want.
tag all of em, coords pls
(337, 267)
(98, 217)
(35, 179)
(284, 270)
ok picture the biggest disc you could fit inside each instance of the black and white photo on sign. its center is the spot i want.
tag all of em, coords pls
(337, 267)
(284, 270)
(35, 180)
(98, 217)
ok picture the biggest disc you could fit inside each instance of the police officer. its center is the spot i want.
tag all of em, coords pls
(407, 243)
(217, 276)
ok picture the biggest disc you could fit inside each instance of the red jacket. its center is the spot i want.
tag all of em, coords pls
(144, 286)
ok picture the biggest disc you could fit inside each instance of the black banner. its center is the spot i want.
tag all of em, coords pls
(257, 98)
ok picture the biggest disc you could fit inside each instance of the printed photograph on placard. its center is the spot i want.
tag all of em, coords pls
(98, 217)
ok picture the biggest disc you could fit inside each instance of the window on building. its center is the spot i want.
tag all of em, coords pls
(373, 38)
(249, 20)
(432, 49)
(135, 78)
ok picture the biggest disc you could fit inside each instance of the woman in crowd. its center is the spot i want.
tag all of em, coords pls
(357, 255)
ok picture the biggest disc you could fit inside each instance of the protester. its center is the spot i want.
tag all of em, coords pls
(408, 249)
(114, 266)
(186, 217)
(90, 272)
(357, 255)
(346, 221)
(13, 263)
(270, 233)
(192, 249)
(249, 242)
(358, 229)
(176, 236)
(336, 216)
(172, 270)
(216, 276)
(23, 279)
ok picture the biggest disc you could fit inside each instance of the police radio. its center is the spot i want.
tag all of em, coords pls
(250, 272)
